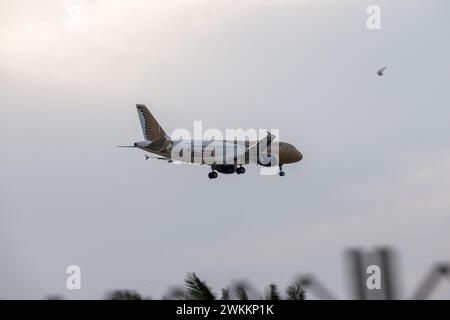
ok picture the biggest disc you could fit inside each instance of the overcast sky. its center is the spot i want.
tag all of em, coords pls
(376, 167)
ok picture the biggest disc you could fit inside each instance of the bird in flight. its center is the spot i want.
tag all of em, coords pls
(381, 71)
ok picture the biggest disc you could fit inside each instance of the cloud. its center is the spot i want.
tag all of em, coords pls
(376, 149)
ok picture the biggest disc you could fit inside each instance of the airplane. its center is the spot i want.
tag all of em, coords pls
(223, 156)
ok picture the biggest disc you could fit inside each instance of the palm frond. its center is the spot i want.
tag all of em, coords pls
(124, 295)
(295, 292)
(272, 292)
(225, 294)
(197, 289)
(175, 293)
(241, 292)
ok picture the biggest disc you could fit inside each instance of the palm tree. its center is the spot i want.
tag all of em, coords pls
(124, 295)
(225, 294)
(196, 289)
(241, 291)
(272, 292)
(295, 292)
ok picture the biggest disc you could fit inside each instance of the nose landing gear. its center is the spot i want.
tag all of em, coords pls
(281, 173)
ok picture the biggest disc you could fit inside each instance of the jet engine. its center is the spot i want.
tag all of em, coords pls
(225, 168)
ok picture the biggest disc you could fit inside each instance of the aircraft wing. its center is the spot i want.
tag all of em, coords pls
(264, 143)
(159, 158)
(261, 145)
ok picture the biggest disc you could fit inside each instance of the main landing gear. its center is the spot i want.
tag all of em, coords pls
(281, 173)
(240, 170)
(212, 175)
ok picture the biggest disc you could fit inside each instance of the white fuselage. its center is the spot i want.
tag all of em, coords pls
(204, 151)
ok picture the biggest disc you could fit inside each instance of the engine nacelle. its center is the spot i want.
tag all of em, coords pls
(225, 168)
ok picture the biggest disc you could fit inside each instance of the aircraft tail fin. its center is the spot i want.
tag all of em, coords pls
(150, 127)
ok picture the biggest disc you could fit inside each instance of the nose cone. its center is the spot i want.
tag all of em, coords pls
(297, 155)
(289, 154)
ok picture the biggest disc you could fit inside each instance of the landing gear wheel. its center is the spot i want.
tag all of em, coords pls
(214, 174)
(211, 175)
(240, 170)
(281, 173)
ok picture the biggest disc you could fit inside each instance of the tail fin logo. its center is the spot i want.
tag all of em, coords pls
(150, 127)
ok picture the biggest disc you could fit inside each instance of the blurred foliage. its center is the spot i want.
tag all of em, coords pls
(196, 289)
